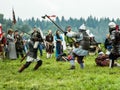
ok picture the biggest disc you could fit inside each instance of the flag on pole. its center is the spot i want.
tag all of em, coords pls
(52, 16)
(14, 20)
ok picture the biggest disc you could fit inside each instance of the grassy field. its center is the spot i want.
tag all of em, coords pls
(54, 75)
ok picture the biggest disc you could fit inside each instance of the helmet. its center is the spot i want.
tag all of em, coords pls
(82, 27)
(112, 25)
(101, 53)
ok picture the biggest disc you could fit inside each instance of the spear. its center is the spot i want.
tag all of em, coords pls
(59, 28)
(53, 22)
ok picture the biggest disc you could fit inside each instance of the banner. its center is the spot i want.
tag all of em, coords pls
(14, 20)
(52, 16)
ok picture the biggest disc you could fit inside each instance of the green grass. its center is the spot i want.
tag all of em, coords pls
(54, 75)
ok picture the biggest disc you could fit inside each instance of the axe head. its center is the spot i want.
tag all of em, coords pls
(43, 17)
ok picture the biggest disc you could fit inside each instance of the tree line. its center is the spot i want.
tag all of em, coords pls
(99, 27)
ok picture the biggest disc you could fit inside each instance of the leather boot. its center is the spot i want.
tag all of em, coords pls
(82, 65)
(21, 69)
(39, 63)
(72, 67)
(36, 67)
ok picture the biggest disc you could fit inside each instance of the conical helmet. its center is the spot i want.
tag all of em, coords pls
(112, 25)
(82, 27)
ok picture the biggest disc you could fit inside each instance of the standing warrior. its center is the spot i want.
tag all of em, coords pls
(81, 46)
(49, 44)
(32, 54)
(31, 57)
(115, 38)
(36, 38)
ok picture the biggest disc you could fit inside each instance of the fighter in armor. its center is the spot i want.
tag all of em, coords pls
(115, 38)
(36, 37)
(81, 46)
(33, 47)
(31, 56)
(94, 46)
(18, 44)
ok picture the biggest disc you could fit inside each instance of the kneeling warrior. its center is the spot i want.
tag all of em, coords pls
(31, 56)
(81, 46)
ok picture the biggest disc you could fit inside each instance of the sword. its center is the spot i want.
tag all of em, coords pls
(24, 56)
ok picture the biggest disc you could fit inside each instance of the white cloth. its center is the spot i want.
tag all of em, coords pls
(101, 53)
(108, 52)
(30, 59)
(89, 33)
(70, 34)
(36, 44)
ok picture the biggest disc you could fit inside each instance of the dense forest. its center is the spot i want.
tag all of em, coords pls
(99, 27)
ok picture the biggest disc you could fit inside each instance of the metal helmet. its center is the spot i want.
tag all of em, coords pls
(82, 27)
(112, 25)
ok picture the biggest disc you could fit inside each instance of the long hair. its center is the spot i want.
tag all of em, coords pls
(57, 34)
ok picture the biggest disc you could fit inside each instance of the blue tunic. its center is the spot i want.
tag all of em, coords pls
(59, 48)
